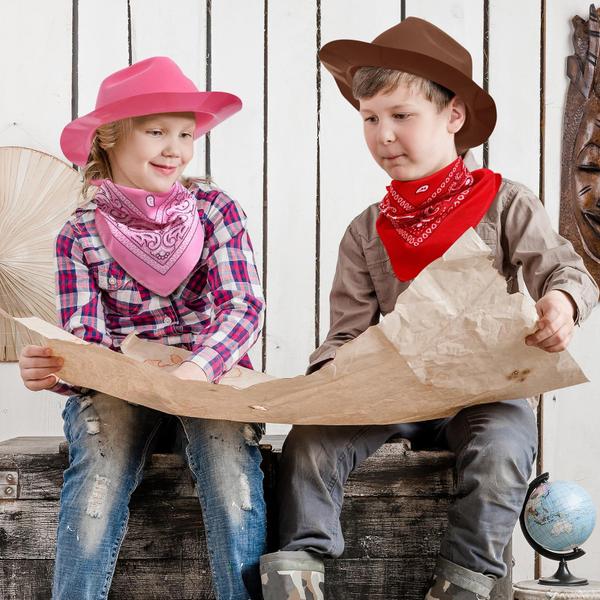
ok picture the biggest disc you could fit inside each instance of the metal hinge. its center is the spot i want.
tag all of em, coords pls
(9, 483)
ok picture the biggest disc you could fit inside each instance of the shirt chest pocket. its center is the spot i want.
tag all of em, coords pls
(121, 295)
(377, 259)
(488, 232)
(387, 286)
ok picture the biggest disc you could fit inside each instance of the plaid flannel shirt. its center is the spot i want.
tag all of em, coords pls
(216, 313)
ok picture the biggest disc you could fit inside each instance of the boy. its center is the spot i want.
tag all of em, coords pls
(421, 110)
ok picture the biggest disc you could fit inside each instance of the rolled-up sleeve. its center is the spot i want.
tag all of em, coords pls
(235, 292)
(549, 261)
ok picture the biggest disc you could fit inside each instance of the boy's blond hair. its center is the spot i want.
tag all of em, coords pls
(105, 138)
(369, 81)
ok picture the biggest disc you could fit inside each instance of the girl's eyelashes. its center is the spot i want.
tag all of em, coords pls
(160, 132)
(401, 116)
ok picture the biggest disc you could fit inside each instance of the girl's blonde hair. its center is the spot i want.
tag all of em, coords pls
(105, 138)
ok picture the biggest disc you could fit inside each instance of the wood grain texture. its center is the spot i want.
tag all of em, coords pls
(346, 579)
(391, 471)
(133, 580)
(161, 528)
(394, 517)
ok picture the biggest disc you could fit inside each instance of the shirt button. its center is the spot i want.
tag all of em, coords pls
(150, 200)
(112, 280)
(167, 320)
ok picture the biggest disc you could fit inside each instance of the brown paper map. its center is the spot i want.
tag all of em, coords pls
(454, 339)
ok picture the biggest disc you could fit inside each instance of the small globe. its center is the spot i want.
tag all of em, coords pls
(559, 515)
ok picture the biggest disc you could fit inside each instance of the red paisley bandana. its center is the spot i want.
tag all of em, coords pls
(419, 220)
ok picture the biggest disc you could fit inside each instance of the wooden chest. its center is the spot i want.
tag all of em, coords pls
(394, 517)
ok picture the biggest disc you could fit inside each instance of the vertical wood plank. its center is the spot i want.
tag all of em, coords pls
(463, 20)
(350, 179)
(177, 30)
(35, 103)
(291, 173)
(558, 47)
(236, 155)
(514, 146)
(25, 413)
(571, 441)
(100, 55)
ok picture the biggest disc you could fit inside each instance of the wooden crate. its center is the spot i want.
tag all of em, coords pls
(394, 517)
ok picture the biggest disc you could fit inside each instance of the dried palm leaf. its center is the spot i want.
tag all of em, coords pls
(38, 192)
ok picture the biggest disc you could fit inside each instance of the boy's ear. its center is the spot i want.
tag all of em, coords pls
(457, 114)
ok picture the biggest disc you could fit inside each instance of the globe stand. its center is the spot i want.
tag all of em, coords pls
(562, 577)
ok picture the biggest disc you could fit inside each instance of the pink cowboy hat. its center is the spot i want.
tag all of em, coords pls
(151, 86)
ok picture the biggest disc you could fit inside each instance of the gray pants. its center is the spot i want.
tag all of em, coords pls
(495, 446)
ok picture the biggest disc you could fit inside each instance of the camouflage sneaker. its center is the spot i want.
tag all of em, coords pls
(442, 589)
(292, 576)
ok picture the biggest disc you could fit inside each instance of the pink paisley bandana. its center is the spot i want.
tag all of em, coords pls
(156, 238)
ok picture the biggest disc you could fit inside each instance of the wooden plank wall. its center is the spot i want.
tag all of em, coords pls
(294, 156)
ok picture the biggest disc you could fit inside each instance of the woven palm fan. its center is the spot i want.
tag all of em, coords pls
(38, 192)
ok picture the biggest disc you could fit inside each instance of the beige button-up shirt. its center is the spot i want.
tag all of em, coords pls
(517, 229)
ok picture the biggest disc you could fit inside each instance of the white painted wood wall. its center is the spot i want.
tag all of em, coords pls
(294, 156)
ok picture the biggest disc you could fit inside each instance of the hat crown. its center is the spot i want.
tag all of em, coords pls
(418, 47)
(156, 75)
(420, 36)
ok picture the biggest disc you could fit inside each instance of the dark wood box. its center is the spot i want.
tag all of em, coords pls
(394, 517)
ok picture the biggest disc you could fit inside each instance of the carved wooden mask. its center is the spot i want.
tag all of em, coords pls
(580, 168)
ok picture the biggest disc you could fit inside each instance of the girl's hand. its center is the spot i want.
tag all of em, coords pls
(38, 365)
(556, 310)
(190, 370)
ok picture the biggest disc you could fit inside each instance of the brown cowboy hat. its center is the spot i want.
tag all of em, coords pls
(418, 47)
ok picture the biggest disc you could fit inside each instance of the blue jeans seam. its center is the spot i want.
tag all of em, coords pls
(255, 456)
(202, 498)
(119, 541)
(113, 558)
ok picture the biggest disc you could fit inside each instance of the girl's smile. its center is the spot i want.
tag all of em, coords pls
(164, 169)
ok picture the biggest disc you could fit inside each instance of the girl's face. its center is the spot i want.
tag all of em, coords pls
(155, 153)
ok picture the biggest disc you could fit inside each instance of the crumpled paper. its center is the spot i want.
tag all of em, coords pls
(454, 339)
(456, 326)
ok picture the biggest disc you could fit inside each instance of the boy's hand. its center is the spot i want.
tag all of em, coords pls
(190, 370)
(38, 366)
(556, 310)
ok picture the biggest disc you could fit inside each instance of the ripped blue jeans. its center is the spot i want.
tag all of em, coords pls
(109, 441)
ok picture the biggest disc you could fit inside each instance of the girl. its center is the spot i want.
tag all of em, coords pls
(148, 256)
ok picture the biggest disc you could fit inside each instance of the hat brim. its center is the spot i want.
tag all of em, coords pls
(343, 58)
(209, 108)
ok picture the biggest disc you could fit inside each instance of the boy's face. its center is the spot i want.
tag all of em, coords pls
(407, 135)
(153, 156)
